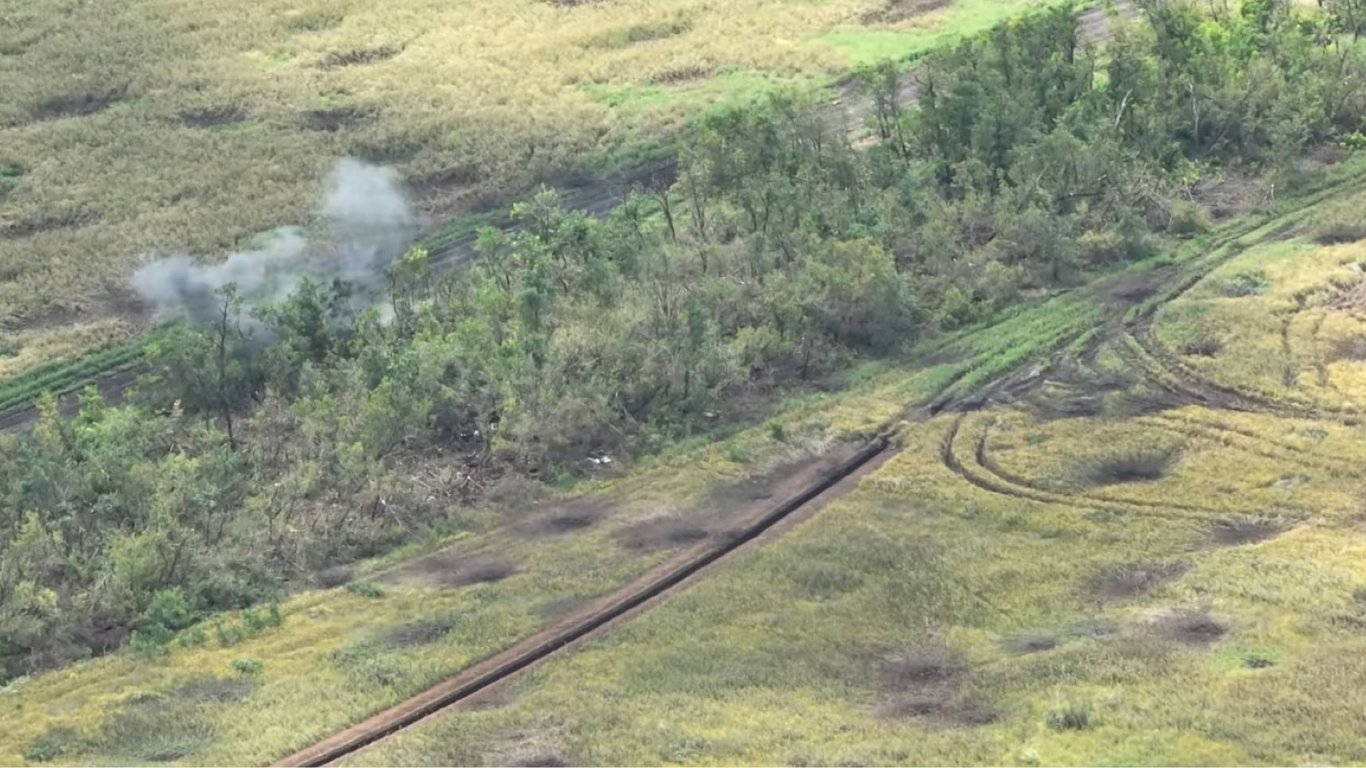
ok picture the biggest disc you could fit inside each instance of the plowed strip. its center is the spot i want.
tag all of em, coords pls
(518, 658)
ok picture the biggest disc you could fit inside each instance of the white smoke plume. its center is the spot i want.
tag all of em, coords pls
(364, 223)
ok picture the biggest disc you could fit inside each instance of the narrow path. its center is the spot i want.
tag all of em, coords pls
(619, 606)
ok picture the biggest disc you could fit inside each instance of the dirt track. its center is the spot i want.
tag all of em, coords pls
(617, 607)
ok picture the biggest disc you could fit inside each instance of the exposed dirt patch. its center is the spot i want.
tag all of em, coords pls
(545, 760)
(328, 578)
(1029, 643)
(358, 56)
(641, 33)
(316, 21)
(1230, 195)
(1350, 299)
(462, 175)
(682, 72)
(924, 683)
(419, 632)
(560, 606)
(564, 518)
(665, 531)
(1125, 291)
(723, 506)
(1137, 466)
(934, 664)
(79, 104)
(336, 118)
(1130, 580)
(538, 743)
(1339, 232)
(48, 221)
(1207, 346)
(1236, 531)
(894, 11)
(213, 117)
(452, 569)
(219, 690)
(1353, 349)
(390, 150)
(1192, 626)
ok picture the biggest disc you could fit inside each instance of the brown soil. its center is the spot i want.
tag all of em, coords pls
(560, 606)
(1350, 349)
(111, 386)
(215, 689)
(335, 576)
(1194, 626)
(420, 632)
(933, 664)
(682, 73)
(77, 104)
(336, 119)
(1029, 643)
(213, 117)
(358, 56)
(1340, 232)
(895, 11)
(1130, 580)
(48, 221)
(451, 569)
(925, 683)
(563, 518)
(1236, 531)
(663, 532)
(805, 492)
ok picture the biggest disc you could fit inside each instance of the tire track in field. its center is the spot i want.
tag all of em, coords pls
(983, 478)
(1280, 451)
(622, 605)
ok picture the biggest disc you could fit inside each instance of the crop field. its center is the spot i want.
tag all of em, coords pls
(172, 126)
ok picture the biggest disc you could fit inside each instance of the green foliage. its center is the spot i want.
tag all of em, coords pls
(63, 376)
(365, 589)
(168, 613)
(1071, 715)
(51, 745)
(248, 666)
(1248, 283)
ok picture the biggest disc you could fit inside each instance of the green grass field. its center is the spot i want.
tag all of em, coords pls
(169, 126)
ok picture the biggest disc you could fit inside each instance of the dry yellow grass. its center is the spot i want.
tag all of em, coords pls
(179, 125)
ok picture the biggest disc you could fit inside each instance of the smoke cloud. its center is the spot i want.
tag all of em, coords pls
(364, 223)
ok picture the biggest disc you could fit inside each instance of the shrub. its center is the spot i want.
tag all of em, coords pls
(1072, 715)
(1253, 283)
(1187, 220)
(248, 665)
(365, 589)
(168, 613)
(1135, 466)
(49, 746)
(1340, 231)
